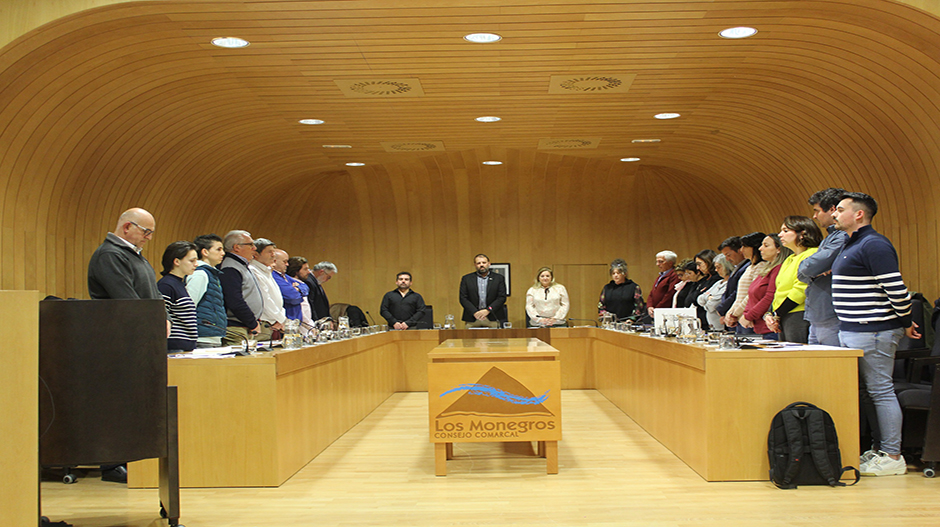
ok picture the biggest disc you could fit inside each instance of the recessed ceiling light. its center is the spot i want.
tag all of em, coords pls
(355, 164)
(492, 162)
(645, 141)
(629, 159)
(229, 42)
(737, 32)
(666, 115)
(311, 121)
(337, 146)
(488, 119)
(482, 38)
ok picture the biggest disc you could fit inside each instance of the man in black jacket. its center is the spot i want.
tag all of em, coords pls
(483, 295)
(319, 303)
(402, 308)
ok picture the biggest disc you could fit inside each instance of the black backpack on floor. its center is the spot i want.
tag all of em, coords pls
(803, 448)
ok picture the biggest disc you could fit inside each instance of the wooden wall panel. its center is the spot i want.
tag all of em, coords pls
(19, 425)
(633, 222)
(104, 107)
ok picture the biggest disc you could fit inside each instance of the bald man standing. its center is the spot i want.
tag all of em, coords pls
(117, 269)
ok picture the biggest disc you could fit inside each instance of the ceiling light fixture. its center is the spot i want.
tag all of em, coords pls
(482, 38)
(230, 42)
(629, 159)
(337, 146)
(488, 119)
(311, 121)
(666, 115)
(737, 32)
(355, 164)
(645, 141)
(492, 162)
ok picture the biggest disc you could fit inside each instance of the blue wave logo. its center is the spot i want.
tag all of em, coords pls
(496, 393)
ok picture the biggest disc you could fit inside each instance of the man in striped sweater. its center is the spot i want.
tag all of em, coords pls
(874, 310)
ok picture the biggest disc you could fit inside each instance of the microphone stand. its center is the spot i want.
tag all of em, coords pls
(232, 335)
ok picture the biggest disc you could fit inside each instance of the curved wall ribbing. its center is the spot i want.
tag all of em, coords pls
(124, 106)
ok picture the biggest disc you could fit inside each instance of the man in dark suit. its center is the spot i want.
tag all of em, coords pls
(319, 303)
(483, 295)
(731, 248)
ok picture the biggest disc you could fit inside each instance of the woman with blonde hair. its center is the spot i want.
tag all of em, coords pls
(546, 302)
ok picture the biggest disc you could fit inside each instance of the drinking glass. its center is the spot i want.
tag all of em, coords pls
(727, 342)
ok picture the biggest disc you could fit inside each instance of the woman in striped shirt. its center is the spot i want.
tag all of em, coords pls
(179, 261)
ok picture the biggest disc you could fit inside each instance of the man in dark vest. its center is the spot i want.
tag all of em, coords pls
(205, 288)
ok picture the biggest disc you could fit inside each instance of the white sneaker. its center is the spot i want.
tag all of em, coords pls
(883, 465)
(867, 456)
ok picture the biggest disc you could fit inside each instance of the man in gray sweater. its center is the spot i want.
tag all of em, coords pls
(117, 270)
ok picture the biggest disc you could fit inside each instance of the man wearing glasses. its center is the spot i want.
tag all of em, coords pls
(240, 291)
(117, 269)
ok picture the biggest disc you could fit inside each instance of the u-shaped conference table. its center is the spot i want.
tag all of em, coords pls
(255, 421)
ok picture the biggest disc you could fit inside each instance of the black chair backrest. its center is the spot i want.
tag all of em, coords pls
(427, 318)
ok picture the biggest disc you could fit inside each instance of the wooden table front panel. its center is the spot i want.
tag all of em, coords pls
(494, 401)
(713, 409)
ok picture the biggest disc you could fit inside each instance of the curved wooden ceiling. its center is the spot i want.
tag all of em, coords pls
(129, 103)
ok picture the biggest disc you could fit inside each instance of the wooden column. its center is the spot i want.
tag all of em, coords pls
(19, 426)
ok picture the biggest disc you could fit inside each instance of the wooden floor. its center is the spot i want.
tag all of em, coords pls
(611, 473)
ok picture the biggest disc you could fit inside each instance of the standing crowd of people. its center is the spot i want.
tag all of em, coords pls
(217, 291)
(843, 288)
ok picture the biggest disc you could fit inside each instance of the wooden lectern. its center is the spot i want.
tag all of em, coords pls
(104, 397)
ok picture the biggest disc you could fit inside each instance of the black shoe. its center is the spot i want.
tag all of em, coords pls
(117, 474)
(46, 522)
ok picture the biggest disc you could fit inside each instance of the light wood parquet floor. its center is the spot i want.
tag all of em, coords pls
(612, 473)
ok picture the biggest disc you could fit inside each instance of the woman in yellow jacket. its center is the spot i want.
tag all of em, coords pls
(801, 235)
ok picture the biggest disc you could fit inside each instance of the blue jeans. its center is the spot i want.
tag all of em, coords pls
(876, 368)
(825, 332)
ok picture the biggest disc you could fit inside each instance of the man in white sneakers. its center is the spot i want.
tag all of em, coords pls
(874, 310)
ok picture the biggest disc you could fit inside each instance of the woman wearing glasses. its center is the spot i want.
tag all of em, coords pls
(546, 302)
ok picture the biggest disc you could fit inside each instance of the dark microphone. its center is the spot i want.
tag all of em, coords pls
(591, 320)
(370, 318)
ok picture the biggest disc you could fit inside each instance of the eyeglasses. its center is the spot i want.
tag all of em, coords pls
(147, 232)
(252, 244)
